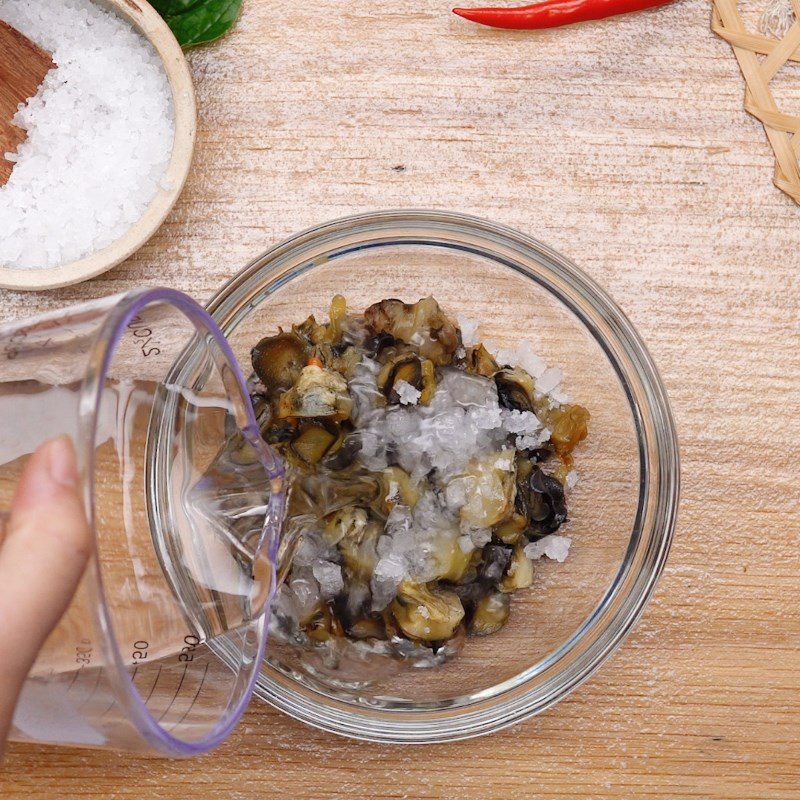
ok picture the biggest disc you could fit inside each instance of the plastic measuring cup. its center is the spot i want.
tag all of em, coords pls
(161, 646)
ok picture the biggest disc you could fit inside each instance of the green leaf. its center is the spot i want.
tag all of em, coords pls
(198, 21)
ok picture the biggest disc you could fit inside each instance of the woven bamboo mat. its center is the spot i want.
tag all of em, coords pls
(760, 58)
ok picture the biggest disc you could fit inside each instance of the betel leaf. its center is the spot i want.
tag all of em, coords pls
(198, 21)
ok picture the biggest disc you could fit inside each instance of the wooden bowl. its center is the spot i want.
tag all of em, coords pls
(152, 26)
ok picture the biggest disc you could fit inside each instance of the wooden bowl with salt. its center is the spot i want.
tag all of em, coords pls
(152, 27)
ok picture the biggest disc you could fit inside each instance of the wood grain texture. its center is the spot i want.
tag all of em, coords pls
(23, 66)
(625, 146)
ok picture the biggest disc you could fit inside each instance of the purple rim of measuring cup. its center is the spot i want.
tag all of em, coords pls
(105, 346)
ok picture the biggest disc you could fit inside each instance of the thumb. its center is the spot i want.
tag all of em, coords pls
(46, 547)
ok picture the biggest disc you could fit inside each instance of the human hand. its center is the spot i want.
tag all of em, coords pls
(43, 551)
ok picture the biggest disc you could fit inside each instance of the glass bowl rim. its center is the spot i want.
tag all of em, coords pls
(508, 703)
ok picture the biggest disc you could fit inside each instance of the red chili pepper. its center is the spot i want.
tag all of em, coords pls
(552, 13)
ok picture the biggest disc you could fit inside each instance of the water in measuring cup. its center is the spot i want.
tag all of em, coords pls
(181, 574)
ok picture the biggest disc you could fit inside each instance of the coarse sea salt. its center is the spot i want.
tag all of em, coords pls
(552, 546)
(329, 577)
(548, 379)
(462, 426)
(469, 330)
(463, 420)
(409, 396)
(100, 134)
(572, 479)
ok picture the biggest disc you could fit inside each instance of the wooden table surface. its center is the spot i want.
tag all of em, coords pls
(623, 145)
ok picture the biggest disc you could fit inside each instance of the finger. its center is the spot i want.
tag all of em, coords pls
(46, 547)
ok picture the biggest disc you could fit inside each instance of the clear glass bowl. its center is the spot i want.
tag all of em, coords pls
(622, 510)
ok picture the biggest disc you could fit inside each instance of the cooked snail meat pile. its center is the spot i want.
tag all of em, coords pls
(429, 474)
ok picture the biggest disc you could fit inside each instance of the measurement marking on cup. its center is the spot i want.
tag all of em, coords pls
(177, 692)
(83, 657)
(114, 701)
(83, 652)
(93, 691)
(144, 336)
(158, 675)
(75, 677)
(140, 648)
(194, 700)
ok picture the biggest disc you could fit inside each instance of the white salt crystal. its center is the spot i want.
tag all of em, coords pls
(559, 396)
(305, 591)
(100, 133)
(462, 420)
(456, 494)
(469, 330)
(308, 549)
(311, 546)
(305, 553)
(504, 461)
(552, 546)
(329, 577)
(480, 536)
(505, 356)
(572, 479)
(461, 388)
(284, 603)
(389, 572)
(549, 380)
(520, 421)
(529, 360)
(529, 429)
(409, 396)
(465, 544)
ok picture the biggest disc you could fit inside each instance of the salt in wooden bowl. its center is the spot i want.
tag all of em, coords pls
(148, 23)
